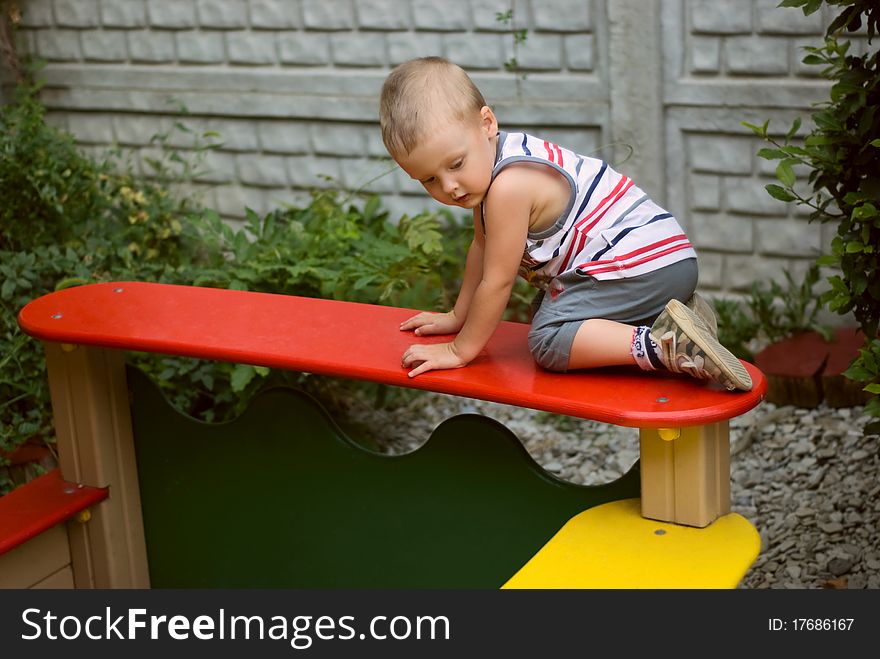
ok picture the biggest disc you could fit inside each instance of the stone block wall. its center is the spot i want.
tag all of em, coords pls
(291, 87)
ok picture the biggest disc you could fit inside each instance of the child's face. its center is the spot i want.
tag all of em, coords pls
(454, 163)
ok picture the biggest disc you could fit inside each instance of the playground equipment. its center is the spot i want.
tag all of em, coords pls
(282, 498)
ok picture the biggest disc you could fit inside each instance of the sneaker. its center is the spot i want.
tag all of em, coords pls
(688, 346)
(700, 306)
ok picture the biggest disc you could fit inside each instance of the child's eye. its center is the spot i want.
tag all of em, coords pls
(425, 181)
(457, 164)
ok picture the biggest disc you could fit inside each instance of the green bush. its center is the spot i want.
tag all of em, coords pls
(770, 312)
(842, 154)
(68, 219)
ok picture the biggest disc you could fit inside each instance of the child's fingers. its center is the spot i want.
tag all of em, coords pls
(428, 328)
(409, 357)
(421, 368)
(413, 356)
(415, 322)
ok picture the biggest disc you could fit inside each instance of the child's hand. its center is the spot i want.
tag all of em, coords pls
(427, 323)
(430, 357)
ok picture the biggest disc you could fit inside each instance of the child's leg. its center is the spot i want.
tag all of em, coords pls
(679, 341)
(591, 324)
(599, 342)
(594, 319)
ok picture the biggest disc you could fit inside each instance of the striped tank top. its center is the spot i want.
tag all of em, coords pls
(610, 229)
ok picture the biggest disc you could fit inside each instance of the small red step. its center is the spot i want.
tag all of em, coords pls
(41, 504)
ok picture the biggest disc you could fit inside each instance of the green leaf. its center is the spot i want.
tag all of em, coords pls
(864, 212)
(858, 373)
(873, 388)
(778, 192)
(772, 154)
(875, 142)
(242, 374)
(7, 289)
(760, 131)
(363, 282)
(70, 282)
(785, 174)
(854, 247)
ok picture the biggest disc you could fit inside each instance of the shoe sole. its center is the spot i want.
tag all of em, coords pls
(700, 306)
(699, 334)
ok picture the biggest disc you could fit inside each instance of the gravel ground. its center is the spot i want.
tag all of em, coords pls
(806, 478)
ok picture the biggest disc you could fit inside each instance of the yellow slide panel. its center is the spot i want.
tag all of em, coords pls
(613, 546)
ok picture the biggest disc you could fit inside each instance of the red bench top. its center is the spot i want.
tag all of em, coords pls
(39, 505)
(362, 341)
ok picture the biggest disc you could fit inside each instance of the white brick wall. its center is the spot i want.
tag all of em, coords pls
(291, 86)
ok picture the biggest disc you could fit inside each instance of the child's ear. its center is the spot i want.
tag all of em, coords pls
(488, 122)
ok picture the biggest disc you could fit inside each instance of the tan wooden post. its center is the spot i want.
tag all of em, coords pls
(685, 473)
(95, 447)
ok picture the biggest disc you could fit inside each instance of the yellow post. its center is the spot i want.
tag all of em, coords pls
(686, 474)
(95, 447)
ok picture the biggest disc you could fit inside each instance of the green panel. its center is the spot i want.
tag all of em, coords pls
(282, 498)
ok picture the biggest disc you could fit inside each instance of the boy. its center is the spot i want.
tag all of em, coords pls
(612, 267)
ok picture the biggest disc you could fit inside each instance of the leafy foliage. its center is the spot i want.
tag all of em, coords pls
(65, 220)
(842, 154)
(770, 313)
(68, 219)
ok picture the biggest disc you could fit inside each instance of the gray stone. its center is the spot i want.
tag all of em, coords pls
(200, 47)
(485, 13)
(705, 55)
(37, 13)
(328, 14)
(721, 232)
(123, 13)
(382, 14)
(579, 52)
(172, 14)
(151, 46)
(403, 46)
(77, 13)
(475, 51)
(250, 48)
(720, 17)
(839, 566)
(450, 15)
(561, 15)
(762, 56)
(275, 14)
(538, 52)
(58, 45)
(104, 45)
(773, 19)
(304, 48)
(222, 14)
(364, 49)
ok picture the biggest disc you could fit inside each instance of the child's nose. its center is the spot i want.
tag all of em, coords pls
(449, 185)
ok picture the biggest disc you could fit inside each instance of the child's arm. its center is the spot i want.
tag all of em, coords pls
(509, 204)
(451, 322)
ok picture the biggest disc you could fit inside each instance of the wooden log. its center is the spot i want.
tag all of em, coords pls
(793, 367)
(839, 390)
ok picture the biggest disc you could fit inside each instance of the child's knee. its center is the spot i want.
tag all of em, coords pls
(549, 348)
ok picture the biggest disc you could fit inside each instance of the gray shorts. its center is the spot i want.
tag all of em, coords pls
(634, 301)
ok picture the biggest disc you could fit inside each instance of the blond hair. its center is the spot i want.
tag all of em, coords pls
(420, 93)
